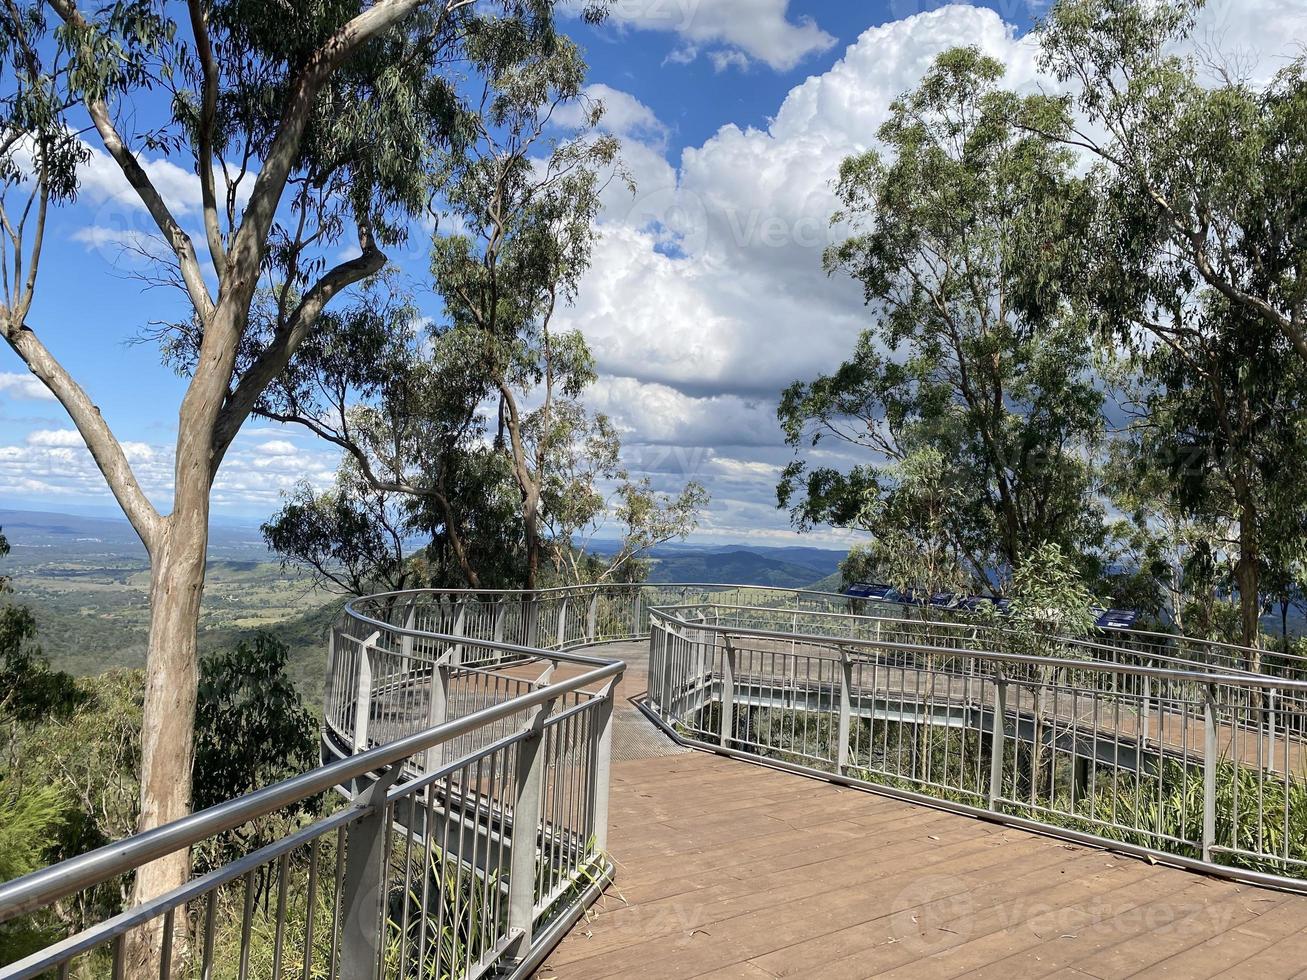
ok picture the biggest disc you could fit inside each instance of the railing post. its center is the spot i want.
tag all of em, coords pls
(592, 618)
(1209, 776)
(727, 723)
(562, 623)
(997, 741)
(527, 791)
(363, 886)
(497, 631)
(334, 702)
(1270, 731)
(846, 710)
(363, 693)
(437, 712)
(460, 625)
(531, 621)
(602, 736)
(406, 638)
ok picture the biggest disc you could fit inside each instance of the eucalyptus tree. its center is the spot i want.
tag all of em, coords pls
(351, 536)
(402, 398)
(524, 203)
(912, 523)
(308, 127)
(407, 400)
(1222, 416)
(964, 235)
(1203, 162)
(586, 490)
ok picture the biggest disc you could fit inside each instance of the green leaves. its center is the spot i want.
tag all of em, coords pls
(251, 727)
(966, 235)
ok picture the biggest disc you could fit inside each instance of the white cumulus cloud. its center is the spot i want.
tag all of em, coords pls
(738, 31)
(23, 386)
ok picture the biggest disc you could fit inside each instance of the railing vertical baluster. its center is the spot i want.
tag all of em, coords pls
(727, 713)
(363, 886)
(527, 792)
(997, 746)
(846, 710)
(1209, 775)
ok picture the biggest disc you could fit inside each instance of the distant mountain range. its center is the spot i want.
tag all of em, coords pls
(786, 567)
(73, 535)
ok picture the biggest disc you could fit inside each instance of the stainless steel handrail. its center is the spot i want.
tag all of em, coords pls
(40, 888)
(1242, 679)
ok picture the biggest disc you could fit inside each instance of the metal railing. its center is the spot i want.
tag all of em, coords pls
(1197, 763)
(472, 838)
(475, 828)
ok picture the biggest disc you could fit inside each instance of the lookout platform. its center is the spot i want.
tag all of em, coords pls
(730, 869)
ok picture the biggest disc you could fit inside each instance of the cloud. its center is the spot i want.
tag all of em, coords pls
(710, 280)
(54, 464)
(102, 180)
(624, 114)
(54, 437)
(706, 295)
(739, 31)
(24, 386)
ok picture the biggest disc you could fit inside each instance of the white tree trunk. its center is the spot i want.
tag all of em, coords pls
(168, 723)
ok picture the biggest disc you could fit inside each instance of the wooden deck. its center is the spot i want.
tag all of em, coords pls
(733, 870)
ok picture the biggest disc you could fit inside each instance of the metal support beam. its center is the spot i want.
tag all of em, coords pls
(846, 710)
(406, 637)
(997, 746)
(528, 789)
(363, 692)
(460, 626)
(363, 887)
(497, 631)
(727, 723)
(437, 712)
(602, 748)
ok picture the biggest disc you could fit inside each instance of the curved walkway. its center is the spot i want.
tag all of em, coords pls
(732, 870)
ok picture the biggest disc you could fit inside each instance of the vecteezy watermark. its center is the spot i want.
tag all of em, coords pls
(937, 912)
(665, 15)
(685, 223)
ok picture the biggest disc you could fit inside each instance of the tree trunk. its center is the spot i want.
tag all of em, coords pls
(531, 532)
(168, 722)
(1247, 575)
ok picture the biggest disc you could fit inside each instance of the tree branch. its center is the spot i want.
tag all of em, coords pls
(100, 440)
(273, 361)
(208, 114)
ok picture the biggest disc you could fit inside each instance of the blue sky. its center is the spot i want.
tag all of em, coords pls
(706, 296)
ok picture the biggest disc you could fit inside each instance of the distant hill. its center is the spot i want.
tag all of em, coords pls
(30, 532)
(834, 582)
(792, 568)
